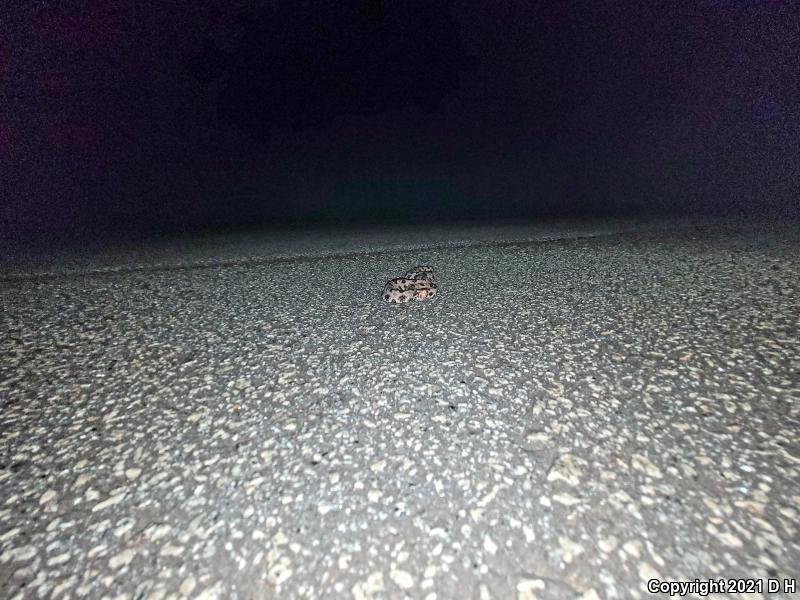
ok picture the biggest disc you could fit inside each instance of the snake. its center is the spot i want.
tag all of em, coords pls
(416, 284)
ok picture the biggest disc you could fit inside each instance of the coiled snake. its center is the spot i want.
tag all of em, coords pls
(416, 284)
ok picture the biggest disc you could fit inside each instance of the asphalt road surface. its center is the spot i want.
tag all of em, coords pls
(566, 419)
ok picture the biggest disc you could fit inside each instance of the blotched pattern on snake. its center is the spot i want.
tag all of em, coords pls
(416, 284)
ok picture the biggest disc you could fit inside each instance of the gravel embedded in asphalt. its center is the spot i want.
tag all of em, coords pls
(565, 419)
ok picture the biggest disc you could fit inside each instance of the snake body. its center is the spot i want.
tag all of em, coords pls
(416, 284)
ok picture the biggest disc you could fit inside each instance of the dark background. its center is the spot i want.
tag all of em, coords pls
(155, 117)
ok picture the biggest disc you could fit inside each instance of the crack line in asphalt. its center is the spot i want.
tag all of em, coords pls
(263, 260)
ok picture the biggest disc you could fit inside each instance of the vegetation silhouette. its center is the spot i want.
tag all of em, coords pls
(299, 65)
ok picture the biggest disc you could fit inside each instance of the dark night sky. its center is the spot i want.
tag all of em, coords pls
(150, 116)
